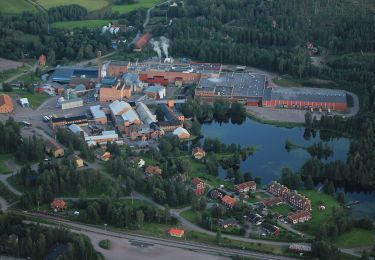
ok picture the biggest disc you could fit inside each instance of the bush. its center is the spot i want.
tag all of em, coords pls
(106, 244)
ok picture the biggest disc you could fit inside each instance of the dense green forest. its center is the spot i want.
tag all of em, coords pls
(33, 241)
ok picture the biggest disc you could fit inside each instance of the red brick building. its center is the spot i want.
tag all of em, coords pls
(299, 201)
(142, 41)
(278, 189)
(228, 201)
(245, 187)
(198, 186)
(115, 92)
(299, 216)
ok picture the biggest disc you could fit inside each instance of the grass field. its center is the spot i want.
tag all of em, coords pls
(282, 209)
(35, 99)
(258, 196)
(90, 5)
(81, 24)
(356, 238)
(122, 9)
(6, 74)
(3, 168)
(191, 215)
(319, 217)
(15, 6)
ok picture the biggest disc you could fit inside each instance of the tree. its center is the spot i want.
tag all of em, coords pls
(341, 197)
(51, 57)
(159, 113)
(196, 128)
(7, 87)
(329, 187)
(202, 203)
(218, 236)
(140, 218)
(309, 183)
(365, 255)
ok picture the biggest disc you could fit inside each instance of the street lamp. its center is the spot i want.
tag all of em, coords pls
(105, 227)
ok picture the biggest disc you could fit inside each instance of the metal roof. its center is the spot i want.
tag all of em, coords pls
(131, 79)
(130, 116)
(97, 112)
(308, 94)
(180, 130)
(118, 106)
(145, 114)
(155, 89)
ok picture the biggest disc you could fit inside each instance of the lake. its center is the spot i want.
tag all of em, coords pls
(270, 155)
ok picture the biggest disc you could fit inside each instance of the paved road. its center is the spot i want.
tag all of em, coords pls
(198, 247)
(3, 204)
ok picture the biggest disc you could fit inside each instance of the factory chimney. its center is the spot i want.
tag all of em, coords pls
(99, 55)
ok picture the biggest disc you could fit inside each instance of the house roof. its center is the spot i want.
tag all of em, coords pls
(229, 200)
(273, 201)
(52, 145)
(245, 185)
(153, 169)
(58, 204)
(299, 214)
(5, 100)
(196, 181)
(197, 150)
(180, 130)
(119, 106)
(176, 232)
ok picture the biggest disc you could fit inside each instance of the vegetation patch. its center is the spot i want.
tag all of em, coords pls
(319, 217)
(81, 24)
(106, 244)
(7, 194)
(127, 8)
(4, 169)
(90, 5)
(356, 238)
(282, 209)
(16, 6)
(35, 99)
(258, 196)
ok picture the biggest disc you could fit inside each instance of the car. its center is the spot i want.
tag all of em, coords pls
(46, 159)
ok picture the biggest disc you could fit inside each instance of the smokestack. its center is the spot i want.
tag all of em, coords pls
(99, 55)
(165, 45)
(156, 47)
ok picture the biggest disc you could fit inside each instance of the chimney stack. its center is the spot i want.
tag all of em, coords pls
(99, 55)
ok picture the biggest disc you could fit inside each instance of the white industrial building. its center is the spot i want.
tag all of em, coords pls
(145, 114)
(106, 136)
(72, 103)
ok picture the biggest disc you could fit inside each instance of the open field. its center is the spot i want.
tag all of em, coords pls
(35, 99)
(319, 217)
(15, 7)
(282, 209)
(3, 168)
(258, 196)
(80, 24)
(90, 5)
(8, 73)
(122, 9)
(356, 238)
(191, 215)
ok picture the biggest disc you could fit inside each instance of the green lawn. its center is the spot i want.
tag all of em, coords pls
(6, 74)
(3, 168)
(35, 99)
(258, 196)
(90, 5)
(356, 238)
(319, 217)
(126, 8)
(80, 24)
(15, 6)
(191, 215)
(282, 209)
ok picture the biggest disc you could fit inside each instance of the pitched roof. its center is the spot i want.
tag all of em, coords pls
(179, 131)
(196, 181)
(153, 169)
(176, 232)
(5, 100)
(245, 185)
(299, 214)
(130, 116)
(58, 204)
(229, 200)
(198, 150)
(118, 106)
(273, 201)
(97, 112)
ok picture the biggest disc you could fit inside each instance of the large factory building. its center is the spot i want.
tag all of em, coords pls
(252, 90)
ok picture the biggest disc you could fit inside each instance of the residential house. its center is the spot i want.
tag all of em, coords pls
(228, 201)
(245, 187)
(105, 156)
(198, 186)
(299, 216)
(42, 60)
(58, 205)
(299, 201)
(216, 194)
(255, 218)
(198, 153)
(174, 232)
(299, 248)
(77, 161)
(6, 104)
(152, 170)
(53, 148)
(271, 229)
(278, 189)
(273, 201)
(181, 133)
(231, 222)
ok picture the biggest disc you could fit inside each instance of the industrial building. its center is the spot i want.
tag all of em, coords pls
(98, 115)
(61, 121)
(6, 104)
(303, 97)
(155, 92)
(114, 92)
(72, 103)
(252, 90)
(106, 136)
(66, 74)
(145, 114)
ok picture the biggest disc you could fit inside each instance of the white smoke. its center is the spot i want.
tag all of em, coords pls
(164, 41)
(156, 47)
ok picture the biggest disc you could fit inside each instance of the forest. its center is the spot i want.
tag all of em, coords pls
(34, 241)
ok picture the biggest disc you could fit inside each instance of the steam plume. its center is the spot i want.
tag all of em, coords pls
(156, 47)
(164, 45)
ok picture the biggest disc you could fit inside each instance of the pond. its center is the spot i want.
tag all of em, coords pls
(270, 156)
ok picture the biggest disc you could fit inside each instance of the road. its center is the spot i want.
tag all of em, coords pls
(181, 244)
(149, 12)
(3, 205)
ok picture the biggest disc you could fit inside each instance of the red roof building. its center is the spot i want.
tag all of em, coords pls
(228, 201)
(58, 205)
(142, 41)
(299, 201)
(174, 232)
(6, 104)
(273, 201)
(42, 60)
(199, 186)
(277, 189)
(299, 216)
(245, 187)
(151, 170)
(198, 153)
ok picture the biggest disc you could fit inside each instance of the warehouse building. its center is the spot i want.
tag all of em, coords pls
(72, 103)
(155, 92)
(114, 92)
(61, 121)
(145, 114)
(66, 74)
(106, 136)
(303, 97)
(98, 115)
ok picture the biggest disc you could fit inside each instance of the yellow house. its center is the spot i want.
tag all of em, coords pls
(77, 161)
